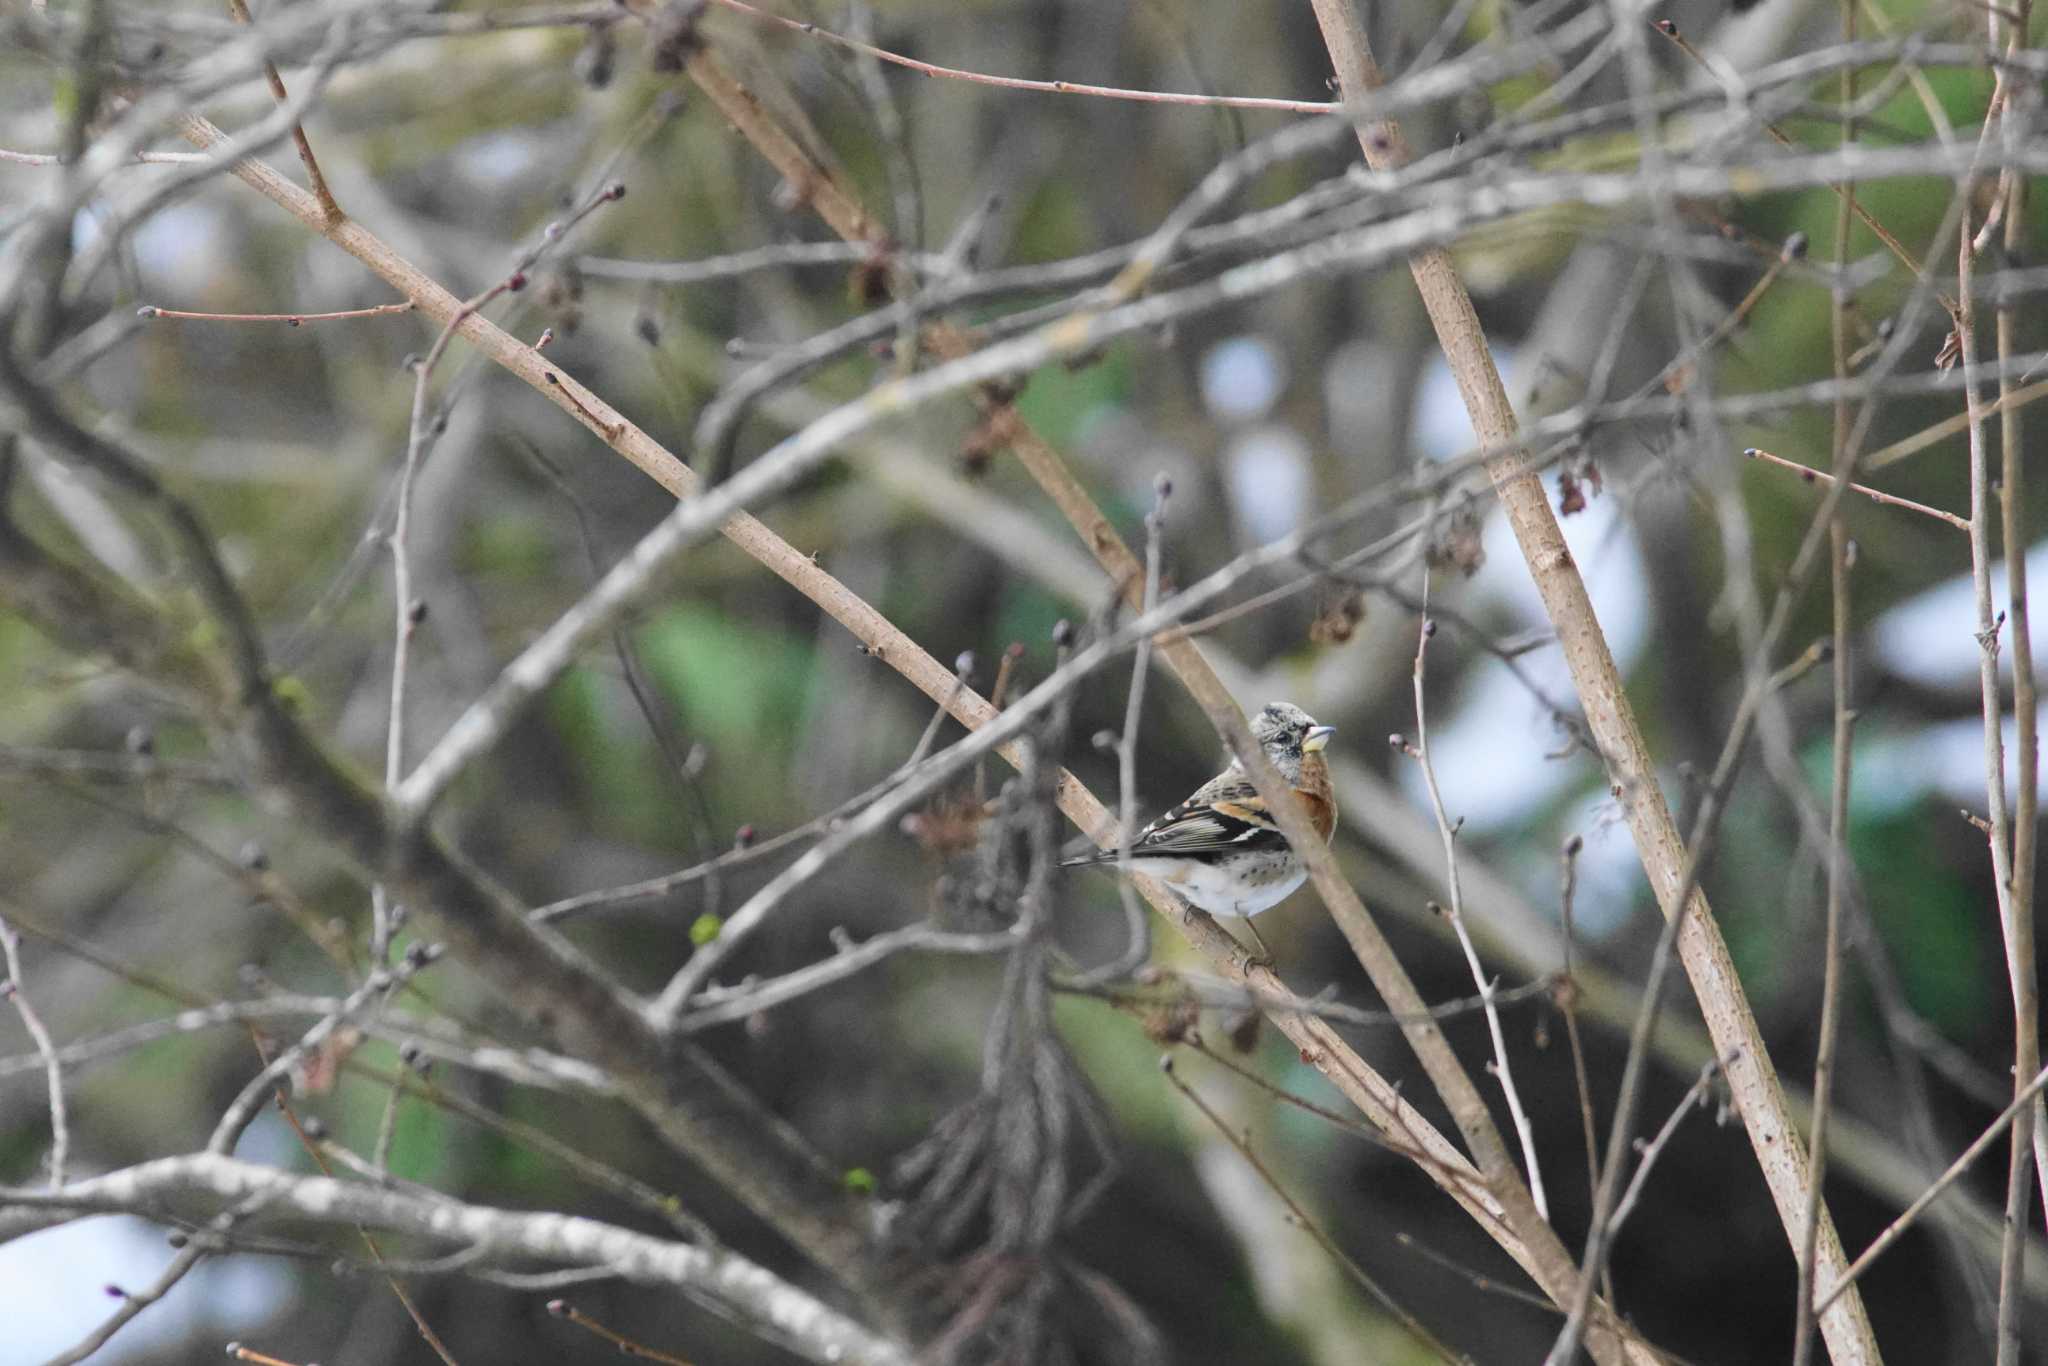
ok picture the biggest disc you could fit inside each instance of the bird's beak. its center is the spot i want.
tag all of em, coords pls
(1316, 739)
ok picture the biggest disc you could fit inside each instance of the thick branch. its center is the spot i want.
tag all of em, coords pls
(700, 1110)
(201, 1186)
(1766, 1116)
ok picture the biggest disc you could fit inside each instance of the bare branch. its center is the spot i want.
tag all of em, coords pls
(211, 1182)
(1019, 83)
(16, 990)
(1694, 1097)
(1811, 475)
(1456, 911)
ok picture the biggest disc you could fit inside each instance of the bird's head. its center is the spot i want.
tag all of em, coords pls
(1287, 733)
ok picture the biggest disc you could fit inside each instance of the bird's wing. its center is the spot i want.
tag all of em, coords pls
(1186, 832)
(1226, 815)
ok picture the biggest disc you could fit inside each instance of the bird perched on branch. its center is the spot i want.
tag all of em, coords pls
(1221, 849)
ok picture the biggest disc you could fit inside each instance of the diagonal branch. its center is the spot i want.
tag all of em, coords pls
(1761, 1102)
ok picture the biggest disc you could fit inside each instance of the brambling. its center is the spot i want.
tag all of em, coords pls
(1221, 849)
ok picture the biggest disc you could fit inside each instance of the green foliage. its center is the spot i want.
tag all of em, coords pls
(26, 667)
(427, 1145)
(1936, 928)
(1124, 1065)
(1059, 399)
(510, 545)
(741, 682)
(615, 764)
(511, 1161)
(1028, 614)
(1960, 94)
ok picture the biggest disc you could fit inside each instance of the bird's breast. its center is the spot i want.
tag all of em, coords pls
(1318, 796)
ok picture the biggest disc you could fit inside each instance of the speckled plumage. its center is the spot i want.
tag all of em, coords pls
(1221, 849)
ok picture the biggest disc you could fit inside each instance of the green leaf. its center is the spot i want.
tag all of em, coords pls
(740, 686)
(292, 692)
(1059, 401)
(613, 761)
(705, 928)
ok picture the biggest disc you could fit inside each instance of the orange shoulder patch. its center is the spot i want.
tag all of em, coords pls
(1251, 811)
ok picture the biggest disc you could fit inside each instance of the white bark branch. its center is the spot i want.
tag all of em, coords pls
(204, 1185)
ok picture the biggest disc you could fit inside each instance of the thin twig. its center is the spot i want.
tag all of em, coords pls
(15, 989)
(112, 766)
(683, 767)
(1843, 189)
(290, 319)
(1567, 997)
(368, 1170)
(1219, 993)
(407, 614)
(1675, 373)
(1138, 927)
(1814, 476)
(893, 795)
(1483, 1283)
(776, 256)
(1695, 1095)
(408, 611)
(1455, 911)
(242, 1111)
(387, 1129)
(2022, 1101)
(963, 669)
(1805, 1321)
(1302, 1219)
(624, 1345)
(1999, 832)
(1019, 83)
(748, 999)
(240, 10)
(238, 1352)
(133, 1302)
(1936, 432)
(1343, 1123)
(145, 158)
(2025, 693)
(1004, 669)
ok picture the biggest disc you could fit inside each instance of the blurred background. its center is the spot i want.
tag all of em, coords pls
(460, 148)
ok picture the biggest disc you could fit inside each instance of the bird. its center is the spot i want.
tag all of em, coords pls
(1221, 849)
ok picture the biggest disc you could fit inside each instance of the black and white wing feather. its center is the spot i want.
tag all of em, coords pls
(1226, 817)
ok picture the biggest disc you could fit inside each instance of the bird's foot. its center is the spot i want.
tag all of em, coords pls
(1262, 958)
